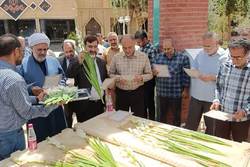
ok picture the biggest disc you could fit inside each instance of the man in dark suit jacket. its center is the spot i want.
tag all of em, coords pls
(92, 107)
(65, 59)
(68, 56)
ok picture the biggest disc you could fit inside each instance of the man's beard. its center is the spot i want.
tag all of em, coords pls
(39, 59)
(114, 46)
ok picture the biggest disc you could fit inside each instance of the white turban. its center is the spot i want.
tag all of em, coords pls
(38, 38)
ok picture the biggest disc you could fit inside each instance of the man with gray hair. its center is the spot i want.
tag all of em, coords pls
(207, 62)
(34, 69)
(131, 69)
(232, 93)
(113, 49)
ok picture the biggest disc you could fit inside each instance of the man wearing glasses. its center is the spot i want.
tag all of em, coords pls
(232, 93)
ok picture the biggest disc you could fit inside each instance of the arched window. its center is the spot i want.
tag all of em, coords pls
(93, 27)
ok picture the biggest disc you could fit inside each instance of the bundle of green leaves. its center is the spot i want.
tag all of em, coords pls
(60, 94)
(91, 74)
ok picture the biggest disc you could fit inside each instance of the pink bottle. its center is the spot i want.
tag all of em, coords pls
(32, 143)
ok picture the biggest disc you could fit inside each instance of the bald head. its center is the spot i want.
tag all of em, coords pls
(168, 46)
(128, 45)
(22, 41)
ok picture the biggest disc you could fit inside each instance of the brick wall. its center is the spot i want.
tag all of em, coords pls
(183, 20)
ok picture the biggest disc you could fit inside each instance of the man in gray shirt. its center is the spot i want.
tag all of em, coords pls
(16, 104)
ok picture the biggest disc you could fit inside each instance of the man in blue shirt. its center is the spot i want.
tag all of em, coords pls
(16, 104)
(207, 62)
(149, 91)
(170, 90)
(232, 93)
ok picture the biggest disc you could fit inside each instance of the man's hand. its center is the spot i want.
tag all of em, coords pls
(155, 71)
(36, 90)
(215, 106)
(81, 57)
(207, 77)
(122, 81)
(138, 79)
(41, 96)
(239, 114)
(185, 93)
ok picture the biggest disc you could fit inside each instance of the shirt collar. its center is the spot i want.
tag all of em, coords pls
(5, 65)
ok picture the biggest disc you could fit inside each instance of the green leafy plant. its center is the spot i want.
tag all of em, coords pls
(91, 74)
(182, 142)
(60, 94)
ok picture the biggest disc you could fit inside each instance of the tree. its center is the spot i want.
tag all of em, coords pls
(231, 11)
(135, 8)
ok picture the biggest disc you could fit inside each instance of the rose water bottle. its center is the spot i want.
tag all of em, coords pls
(109, 103)
(32, 142)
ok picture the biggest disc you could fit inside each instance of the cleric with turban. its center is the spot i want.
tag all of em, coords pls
(34, 68)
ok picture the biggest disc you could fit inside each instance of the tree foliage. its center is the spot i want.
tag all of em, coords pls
(135, 8)
(225, 15)
(231, 7)
(137, 5)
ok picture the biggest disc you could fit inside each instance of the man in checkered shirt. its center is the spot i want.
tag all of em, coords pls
(131, 69)
(149, 87)
(170, 90)
(232, 93)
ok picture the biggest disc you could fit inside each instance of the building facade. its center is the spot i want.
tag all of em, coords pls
(183, 20)
(58, 18)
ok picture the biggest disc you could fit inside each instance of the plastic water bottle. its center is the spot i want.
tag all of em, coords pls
(32, 142)
(109, 103)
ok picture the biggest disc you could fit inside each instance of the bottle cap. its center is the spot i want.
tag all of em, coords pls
(30, 125)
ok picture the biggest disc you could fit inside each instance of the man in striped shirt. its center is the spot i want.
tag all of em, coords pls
(233, 92)
(16, 104)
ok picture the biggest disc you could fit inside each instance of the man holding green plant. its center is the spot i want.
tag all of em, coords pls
(89, 72)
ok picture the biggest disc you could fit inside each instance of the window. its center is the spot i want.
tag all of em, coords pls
(93, 27)
(2, 30)
(21, 27)
(57, 30)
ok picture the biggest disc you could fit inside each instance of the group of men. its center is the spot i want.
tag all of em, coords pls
(222, 84)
